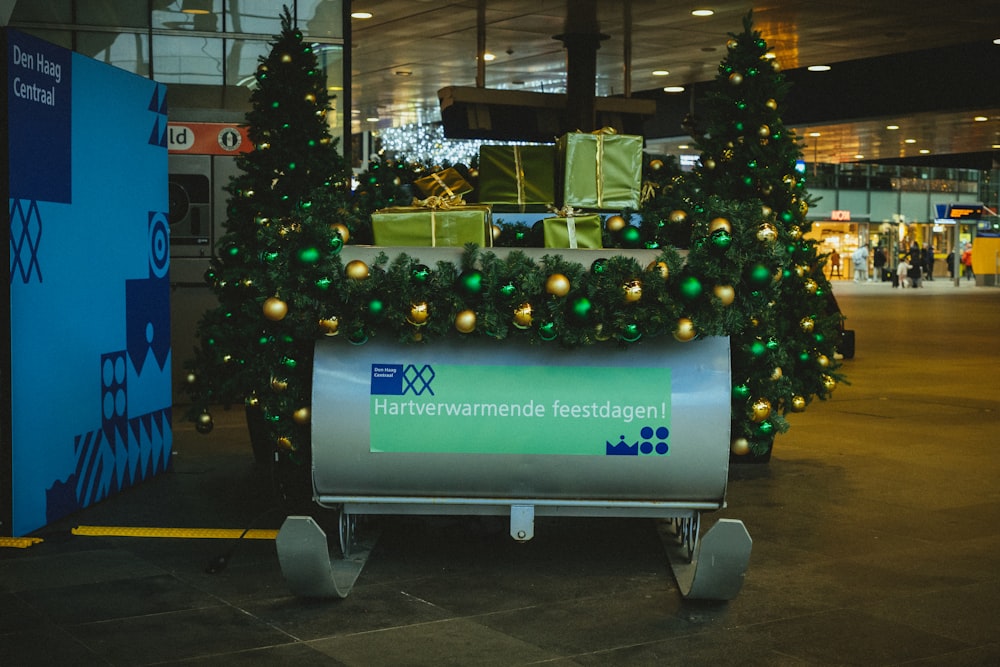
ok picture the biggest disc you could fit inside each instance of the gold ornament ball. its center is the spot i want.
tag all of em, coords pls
(301, 416)
(678, 216)
(661, 268)
(285, 443)
(763, 130)
(685, 331)
(557, 285)
(465, 321)
(656, 165)
(709, 164)
(736, 78)
(341, 229)
(497, 231)
(522, 316)
(633, 291)
(330, 326)
(807, 324)
(776, 374)
(725, 293)
(720, 223)
(771, 104)
(740, 446)
(761, 410)
(731, 44)
(800, 271)
(766, 211)
(357, 270)
(822, 361)
(795, 232)
(418, 313)
(754, 322)
(803, 206)
(798, 403)
(767, 233)
(275, 309)
(615, 223)
(278, 384)
(829, 383)
(811, 286)
(285, 58)
(204, 423)
(191, 378)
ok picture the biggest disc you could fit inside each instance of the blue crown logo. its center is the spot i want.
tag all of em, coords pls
(651, 441)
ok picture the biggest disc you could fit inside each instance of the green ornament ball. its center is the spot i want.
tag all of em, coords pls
(309, 255)
(631, 333)
(359, 337)
(599, 265)
(324, 283)
(470, 282)
(630, 236)
(420, 273)
(721, 239)
(336, 243)
(757, 348)
(376, 307)
(508, 290)
(691, 288)
(581, 308)
(741, 391)
(547, 331)
(760, 275)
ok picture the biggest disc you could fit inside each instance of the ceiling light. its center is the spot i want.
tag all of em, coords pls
(892, 127)
(814, 134)
(673, 89)
(924, 151)
(859, 156)
(403, 72)
(980, 119)
(818, 68)
(361, 15)
(371, 119)
(196, 6)
(683, 147)
(489, 57)
(909, 141)
(660, 72)
(702, 12)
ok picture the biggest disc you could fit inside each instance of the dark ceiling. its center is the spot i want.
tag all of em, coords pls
(927, 66)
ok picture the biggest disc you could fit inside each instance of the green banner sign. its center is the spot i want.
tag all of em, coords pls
(561, 410)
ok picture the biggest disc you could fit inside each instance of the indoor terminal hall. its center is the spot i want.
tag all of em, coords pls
(347, 332)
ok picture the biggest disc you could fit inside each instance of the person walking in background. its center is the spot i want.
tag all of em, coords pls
(860, 260)
(879, 261)
(967, 262)
(928, 262)
(835, 264)
(951, 264)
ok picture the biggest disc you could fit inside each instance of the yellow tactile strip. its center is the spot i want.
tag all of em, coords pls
(176, 533)
(19, 542)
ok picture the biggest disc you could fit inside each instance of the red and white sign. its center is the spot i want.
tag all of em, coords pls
(840, 216)
(207, 138)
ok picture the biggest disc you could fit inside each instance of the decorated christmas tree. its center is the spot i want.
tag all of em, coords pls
(277, 272)
(783, 355)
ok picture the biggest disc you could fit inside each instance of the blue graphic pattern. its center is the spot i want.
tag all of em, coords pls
(25, 239)
(652, 440)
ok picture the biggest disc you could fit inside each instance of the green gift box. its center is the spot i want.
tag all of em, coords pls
(421, 226)
(600, 170)
(517, 174)
(448, 184)
(583, 231)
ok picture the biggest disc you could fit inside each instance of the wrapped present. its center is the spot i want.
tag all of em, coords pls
(433, 225)
(447, 184)
(517, 174)
(601, 170)
(571, 230)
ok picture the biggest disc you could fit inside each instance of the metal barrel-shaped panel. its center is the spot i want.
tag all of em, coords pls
(475, 418)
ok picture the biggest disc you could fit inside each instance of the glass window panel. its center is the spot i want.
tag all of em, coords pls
(172, 18)
(194, 60)
(322, 18)
(127, 51)
(262, 17)
(118, 13)
(42, 11)
(63, 38)
(242, 58)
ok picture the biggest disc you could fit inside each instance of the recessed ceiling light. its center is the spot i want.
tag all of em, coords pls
(892, 127)
(673, 89)
(702, 12)
(361, 15)
(372, 119)
(660, 72)
(488, 57)
(980, 119)
(909, 141)
(403, 72)
(683, 147)
(859, 156)
(818, 68)
(815, 134)
(924, 151)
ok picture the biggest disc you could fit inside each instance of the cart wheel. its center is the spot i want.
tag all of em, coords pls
(346, 526)
(686, 531)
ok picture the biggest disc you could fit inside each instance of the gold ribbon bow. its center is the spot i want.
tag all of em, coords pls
(569, 214)
(439, 203)
(648, 191)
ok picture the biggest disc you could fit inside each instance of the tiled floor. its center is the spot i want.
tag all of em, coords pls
(874, 527)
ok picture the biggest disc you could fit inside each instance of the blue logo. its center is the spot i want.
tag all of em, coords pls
(398, 380)
(651, 441)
